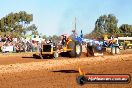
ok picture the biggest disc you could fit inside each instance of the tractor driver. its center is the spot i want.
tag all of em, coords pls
(64, 38)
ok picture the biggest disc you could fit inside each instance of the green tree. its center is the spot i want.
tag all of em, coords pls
(126, 29)
(55, 38)
(17, 23)
(106, 24)
(33, 29)
(44, 37)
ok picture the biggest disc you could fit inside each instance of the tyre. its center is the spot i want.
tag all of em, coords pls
(125, 47)
(64, 54)
(56, 55)
(48, 56)
(90, 51)
(76, 49)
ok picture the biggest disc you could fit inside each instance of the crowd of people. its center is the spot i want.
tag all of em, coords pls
(9, 44)
(32, 44)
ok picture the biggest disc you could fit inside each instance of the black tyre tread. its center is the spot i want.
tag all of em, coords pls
(72, 45)
(36, 56)
(90, 51)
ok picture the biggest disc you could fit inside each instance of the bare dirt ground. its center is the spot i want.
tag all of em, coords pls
(23, 71)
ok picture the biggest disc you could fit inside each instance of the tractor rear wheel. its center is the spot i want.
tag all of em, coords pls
(76, 49)
(90, 50)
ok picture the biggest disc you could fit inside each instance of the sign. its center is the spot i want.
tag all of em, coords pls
(7, 48)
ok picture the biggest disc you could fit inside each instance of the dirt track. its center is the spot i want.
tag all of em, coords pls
(26, 72)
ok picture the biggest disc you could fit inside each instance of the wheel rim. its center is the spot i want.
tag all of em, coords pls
(78, 49)
(56, 55)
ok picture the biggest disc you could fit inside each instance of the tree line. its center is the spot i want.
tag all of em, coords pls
(17, 24)
(107, 24)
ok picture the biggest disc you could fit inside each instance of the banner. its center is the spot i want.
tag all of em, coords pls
(7, 48)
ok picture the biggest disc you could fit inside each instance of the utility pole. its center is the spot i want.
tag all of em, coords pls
(75, 25)
(75, 28)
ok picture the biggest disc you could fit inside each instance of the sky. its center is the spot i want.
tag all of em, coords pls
(56, 17)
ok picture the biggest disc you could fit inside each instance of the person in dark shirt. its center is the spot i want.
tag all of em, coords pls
(64, 40)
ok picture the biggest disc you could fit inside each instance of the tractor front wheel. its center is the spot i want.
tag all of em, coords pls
(56, 54)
